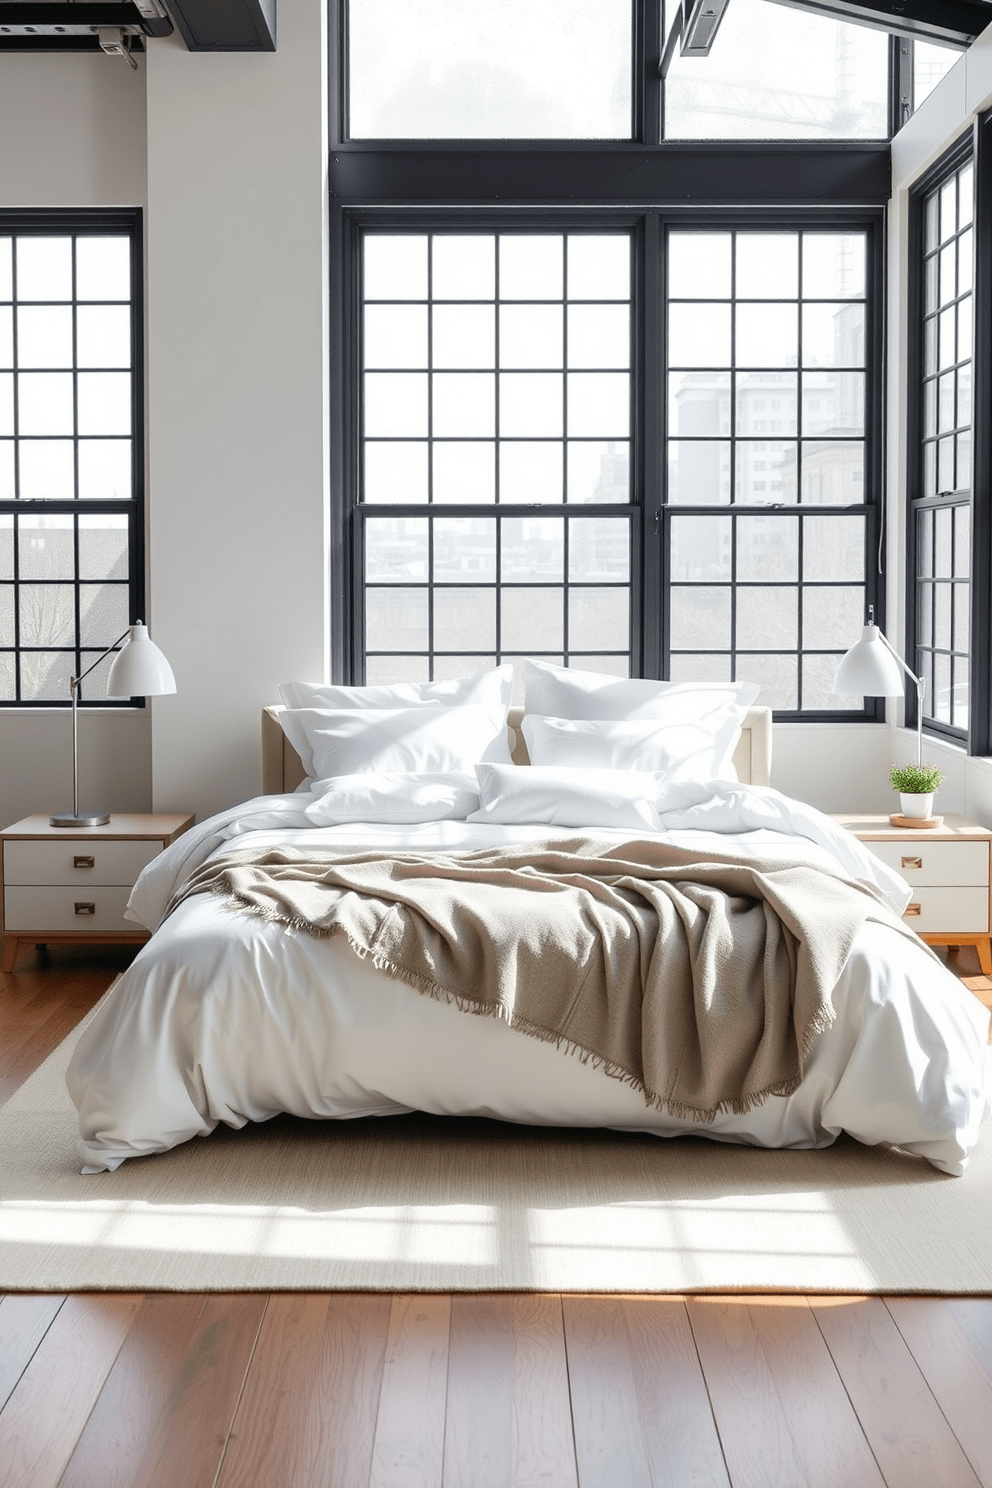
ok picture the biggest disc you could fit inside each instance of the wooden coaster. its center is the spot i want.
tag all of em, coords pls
(924, 823)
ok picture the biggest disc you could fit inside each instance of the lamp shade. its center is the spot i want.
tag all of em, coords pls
(139, 669)
(869, 669)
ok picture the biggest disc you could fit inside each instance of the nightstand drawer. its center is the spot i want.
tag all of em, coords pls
(949, 911)
(939, 863)
(85, 911)
(75, 863)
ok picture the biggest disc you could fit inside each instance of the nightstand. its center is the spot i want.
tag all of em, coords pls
(948, 870)
(66, 884)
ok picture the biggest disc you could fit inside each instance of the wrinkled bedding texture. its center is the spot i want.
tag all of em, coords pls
(227, 1018)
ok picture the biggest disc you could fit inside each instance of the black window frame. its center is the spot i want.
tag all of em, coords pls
(93, 222)
(975, 144)
(429, 184)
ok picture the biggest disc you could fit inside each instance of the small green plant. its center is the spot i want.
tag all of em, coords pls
(915, 780)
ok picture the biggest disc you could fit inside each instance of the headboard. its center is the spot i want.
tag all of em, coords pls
(282, 768)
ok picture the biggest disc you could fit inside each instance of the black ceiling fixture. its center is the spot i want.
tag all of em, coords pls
(89, 25)
(947, 22)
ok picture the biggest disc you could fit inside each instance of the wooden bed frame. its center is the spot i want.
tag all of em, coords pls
(282, 768)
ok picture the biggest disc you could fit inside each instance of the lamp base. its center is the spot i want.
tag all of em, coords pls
(79, 819)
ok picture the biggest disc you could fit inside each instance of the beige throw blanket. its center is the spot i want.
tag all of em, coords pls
(702, 984)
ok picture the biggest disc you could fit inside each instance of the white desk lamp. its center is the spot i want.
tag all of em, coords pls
(138, 670)
(871, 669)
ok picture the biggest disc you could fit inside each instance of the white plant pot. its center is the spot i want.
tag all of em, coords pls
(917, 806)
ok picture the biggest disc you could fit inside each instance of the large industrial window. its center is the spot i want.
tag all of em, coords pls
(942, 460)
(70, 461)
(554, 461)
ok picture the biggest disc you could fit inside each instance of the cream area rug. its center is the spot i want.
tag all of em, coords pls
(427, 1203)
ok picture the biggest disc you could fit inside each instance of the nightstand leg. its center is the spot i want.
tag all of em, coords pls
(984, 948)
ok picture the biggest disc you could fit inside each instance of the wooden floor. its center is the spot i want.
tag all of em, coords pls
(341, 1390)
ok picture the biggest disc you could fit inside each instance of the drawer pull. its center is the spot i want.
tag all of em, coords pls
(85, 909)
(912, 912)
(912, 863)
(82, 862)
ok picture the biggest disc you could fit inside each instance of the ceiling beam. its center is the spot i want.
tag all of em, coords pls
(953, 23)
(225, 25)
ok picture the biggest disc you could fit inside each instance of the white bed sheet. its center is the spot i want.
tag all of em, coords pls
(225, 1018)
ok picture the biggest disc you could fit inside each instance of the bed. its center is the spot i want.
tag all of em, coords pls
(228, 1016)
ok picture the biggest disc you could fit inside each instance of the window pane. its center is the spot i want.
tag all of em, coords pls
(6, 470)
(834, 335)
(104, 402)
(396, 550)
(598, 336)
(396, 619)
(599, 404)
(530, 471)
(701, 617)
(767, 617)
(833, 402)
(698, 403)
(699, 335)
(599, 618)
(598, 470)
(700, 548)
(777, 675)
(699, 266)
(833, 265)
(463, 267)
(533, 548)
(103, 336)
(767, 335)
(767, 266)
(532, 619)
(781, 74)
(396, 336)
(531, 268)
(531, 336)
(699, 472)
(103, 614)
(464, 470)
(766, 471)
(45, 403)
(45, 548)
(520, 69)
(832, 617)
(598, 550)
(598, 266)
(103, 268)
(395, 267)
(44, 336)
(45, 674)
(464, 549)
(47, 470)
(463, 404)
(834, 549)
(104, 469)
(395, 404)
(103, 547)
(530, 404)
(767, 547)
(395, 471)
(47, 615)
(766, 402)
(6, 268)
(6, 337)
(44, 268)
(833, 472)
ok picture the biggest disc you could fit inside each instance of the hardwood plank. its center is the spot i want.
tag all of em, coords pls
(408, 1449)
(680, 1436)
(307, 1414)
(46, 1412)
(906, 1430)
(951, 1342)
(190, 1436)
(24, 1321)
(115, 1437)
(609, 1440)
(753, 1425)
(826, 1434)
(508, 1418)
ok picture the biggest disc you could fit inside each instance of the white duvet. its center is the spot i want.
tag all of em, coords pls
(223, 1017)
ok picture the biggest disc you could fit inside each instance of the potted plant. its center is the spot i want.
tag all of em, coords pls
(916, 785)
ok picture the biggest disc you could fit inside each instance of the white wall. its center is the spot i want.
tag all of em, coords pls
(943, 117)
(72, 133)
(237, 396)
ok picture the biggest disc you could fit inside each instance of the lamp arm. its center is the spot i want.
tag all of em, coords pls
(921, 687)
(75, 681)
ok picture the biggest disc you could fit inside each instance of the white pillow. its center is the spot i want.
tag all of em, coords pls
(682, 748)
(490, 690)
(393, 796)
(560, 692)
(428, 738)
(569, 797)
